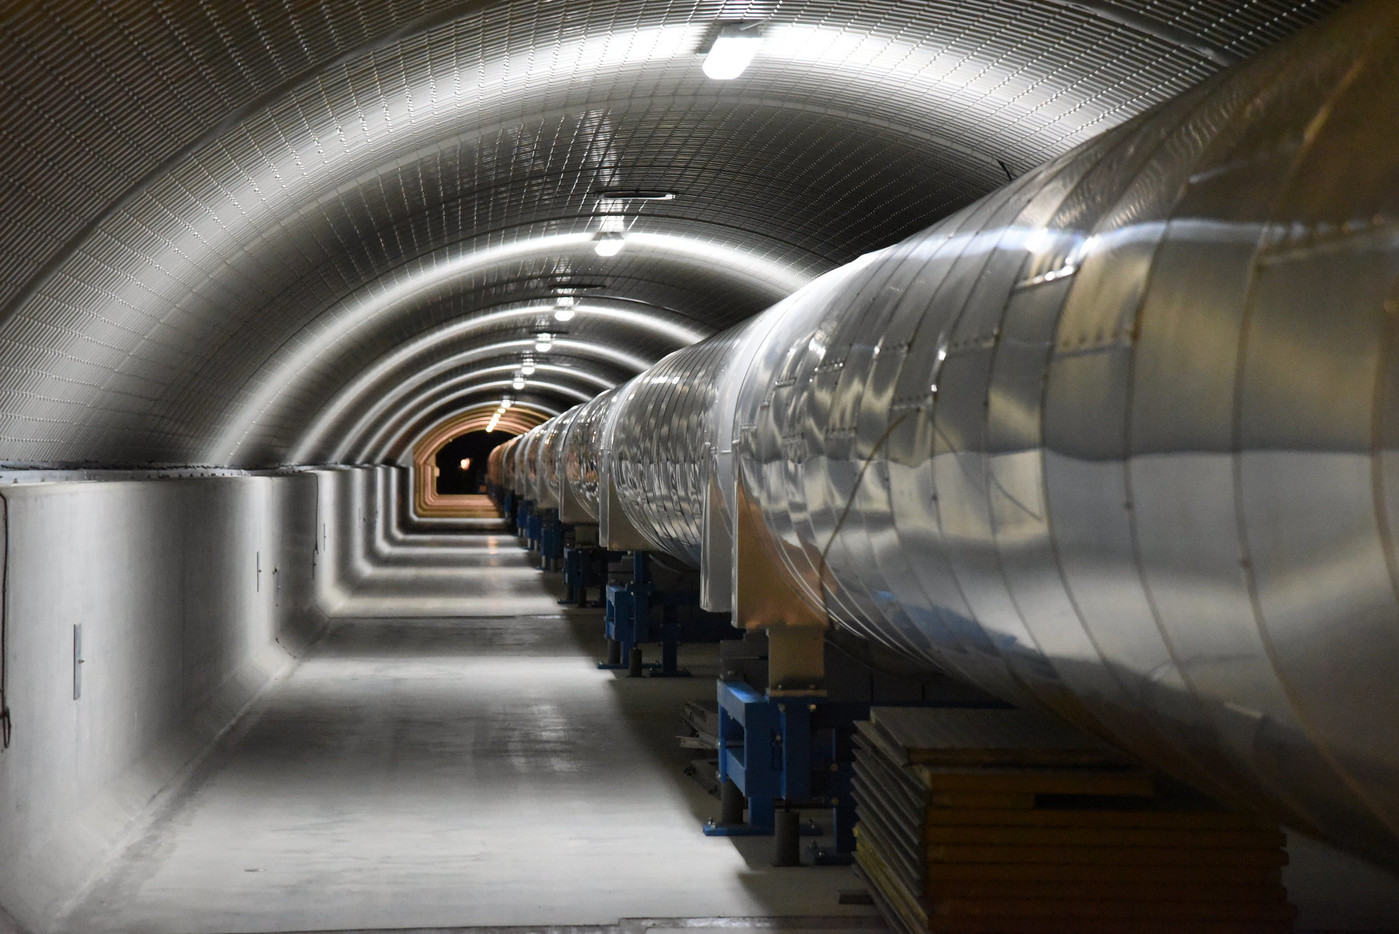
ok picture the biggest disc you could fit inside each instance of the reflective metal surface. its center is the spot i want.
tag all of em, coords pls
(583, 453)
(661, 427)
(222, 218)
(546, 460)
(504, 465)
(1117, 440)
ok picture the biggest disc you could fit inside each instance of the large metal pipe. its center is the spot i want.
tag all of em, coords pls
(1118, 440)
(546, 474)
(660, 425)
(582, 455)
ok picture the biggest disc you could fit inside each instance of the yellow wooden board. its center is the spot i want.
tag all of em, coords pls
(1102, 926)
(1088, 818)
(897, 789)
(1137, 909)
(935, 889)
(877, 743)
(981, 800)
(964, 913)
(984, 736)
(1103, 855)
(898, 856)
(1124, 783)
(1105, 837)
(908, 913)
(985, 821)
(1052, 872)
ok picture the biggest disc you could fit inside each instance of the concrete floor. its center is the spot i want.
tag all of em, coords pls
(482, 573)
(455, 772)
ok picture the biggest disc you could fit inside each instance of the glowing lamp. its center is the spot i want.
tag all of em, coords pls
(608, 243)
(733, 51)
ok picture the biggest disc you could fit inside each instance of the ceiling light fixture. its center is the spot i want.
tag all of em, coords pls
(636, 194)
(733, 50)
(527, 368)
(543, 343)
(768, 276)
(608, 243)
(517, 383)
(565, 310)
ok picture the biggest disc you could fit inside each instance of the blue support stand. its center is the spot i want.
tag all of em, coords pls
(534, 528)
(793, 748)
(632, 619)
(524, 511)
(584, 567)
(551, 536)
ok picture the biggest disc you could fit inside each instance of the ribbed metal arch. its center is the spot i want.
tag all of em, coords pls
(646, 334)
(477, 417)
(364, 413)
(386, 430)
(192, 191)
(405, 402)
(400, 449)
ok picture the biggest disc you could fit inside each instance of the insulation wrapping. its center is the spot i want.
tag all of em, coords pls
(1117, 441)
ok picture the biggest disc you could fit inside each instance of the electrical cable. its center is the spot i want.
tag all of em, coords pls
(5, 725)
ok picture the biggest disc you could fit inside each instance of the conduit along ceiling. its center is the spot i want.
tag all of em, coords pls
(259, 233)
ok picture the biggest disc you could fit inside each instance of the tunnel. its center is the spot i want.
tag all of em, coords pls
(1013, 358)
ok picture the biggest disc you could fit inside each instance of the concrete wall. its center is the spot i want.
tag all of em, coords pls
(193, 596)
(349, 514)
(367, 505)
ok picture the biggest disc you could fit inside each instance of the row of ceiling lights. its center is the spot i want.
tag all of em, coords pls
(543, 343)
(505, 403)
(730, 54)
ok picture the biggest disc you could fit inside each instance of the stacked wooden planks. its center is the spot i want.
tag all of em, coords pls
(996, 820)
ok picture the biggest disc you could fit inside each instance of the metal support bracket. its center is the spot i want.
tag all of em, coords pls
(524, 511)
(790, 748)
(551, 539)
(585, 566)
(639, 612)
(615, 530)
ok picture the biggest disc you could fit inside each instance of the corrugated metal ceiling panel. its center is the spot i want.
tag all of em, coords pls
(219, 213)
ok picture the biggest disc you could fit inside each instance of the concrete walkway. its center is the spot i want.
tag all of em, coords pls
(452, 773)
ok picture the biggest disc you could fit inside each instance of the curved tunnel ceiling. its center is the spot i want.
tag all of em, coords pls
(235, 230)
(477, 417)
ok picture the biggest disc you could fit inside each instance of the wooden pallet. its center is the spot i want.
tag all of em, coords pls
(978, 821)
